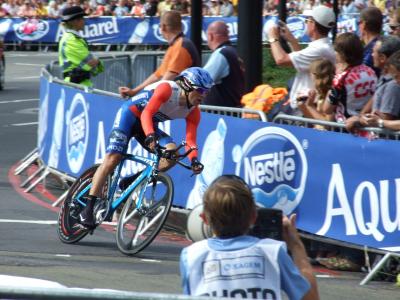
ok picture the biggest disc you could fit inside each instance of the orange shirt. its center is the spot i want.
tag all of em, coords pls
(181, 54)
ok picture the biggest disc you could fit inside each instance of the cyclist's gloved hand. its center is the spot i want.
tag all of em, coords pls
(197, 166)
(151, 142)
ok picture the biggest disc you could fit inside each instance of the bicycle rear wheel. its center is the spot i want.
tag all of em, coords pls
(137, 227)
(69, 229)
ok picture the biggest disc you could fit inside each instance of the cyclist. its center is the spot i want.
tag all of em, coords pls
(138, 117)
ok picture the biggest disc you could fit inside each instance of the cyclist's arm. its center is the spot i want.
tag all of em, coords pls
(192, 122)
(161, 95)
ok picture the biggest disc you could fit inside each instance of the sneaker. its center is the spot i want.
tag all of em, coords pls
(126, 181)
(86, 216)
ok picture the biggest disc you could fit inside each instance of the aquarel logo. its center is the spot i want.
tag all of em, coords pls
(77, 136)
(31, 29)
(273, 163)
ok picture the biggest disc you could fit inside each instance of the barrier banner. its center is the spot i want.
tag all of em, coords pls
(128, 30)
(341, 186)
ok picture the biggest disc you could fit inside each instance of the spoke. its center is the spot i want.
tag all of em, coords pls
(130, 216)
(153, 220)
(137, 232)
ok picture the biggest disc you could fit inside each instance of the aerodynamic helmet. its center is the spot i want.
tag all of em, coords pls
(195, 78)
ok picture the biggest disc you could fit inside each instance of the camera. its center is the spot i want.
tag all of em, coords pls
(302, 99)
(268, 224)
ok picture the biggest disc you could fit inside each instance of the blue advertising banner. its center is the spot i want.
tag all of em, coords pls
(341, 186)
(127, 30)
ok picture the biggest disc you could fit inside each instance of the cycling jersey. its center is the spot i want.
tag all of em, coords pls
(351, 91)
(140, 116)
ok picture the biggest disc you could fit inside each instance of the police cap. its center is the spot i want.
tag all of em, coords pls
(72, 13)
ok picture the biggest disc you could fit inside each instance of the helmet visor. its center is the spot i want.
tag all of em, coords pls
(201, 90)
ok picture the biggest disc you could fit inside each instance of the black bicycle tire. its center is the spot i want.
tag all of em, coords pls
(136, 249)
(63, 226)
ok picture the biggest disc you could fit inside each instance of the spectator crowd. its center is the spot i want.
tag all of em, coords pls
(141, 8)
(355, 82)
(118, 8)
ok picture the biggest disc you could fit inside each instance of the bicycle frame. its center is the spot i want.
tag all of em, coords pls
(150, 166)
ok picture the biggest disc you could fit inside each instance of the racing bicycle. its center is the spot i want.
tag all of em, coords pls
(145, 203)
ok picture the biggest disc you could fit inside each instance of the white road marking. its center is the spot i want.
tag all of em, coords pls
(150, 260)
(63, 255)
(324, 276)
(29, 221)
(17, 282)
(32, 65)
(24, 124)
(19, 100)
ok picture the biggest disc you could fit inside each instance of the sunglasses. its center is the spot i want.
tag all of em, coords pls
(308, 20)
(202, 91)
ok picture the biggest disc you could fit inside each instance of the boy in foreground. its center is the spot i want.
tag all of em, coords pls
(233, 264)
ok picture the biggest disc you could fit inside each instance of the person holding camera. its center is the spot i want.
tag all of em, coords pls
(318, 25)
(77, 63)
(234, 264)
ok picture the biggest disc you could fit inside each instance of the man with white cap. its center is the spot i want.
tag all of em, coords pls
(321, 20)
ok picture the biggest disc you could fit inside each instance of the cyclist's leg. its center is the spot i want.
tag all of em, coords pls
(166, 141)
(166, 164)
(117, 145)
(111, 160)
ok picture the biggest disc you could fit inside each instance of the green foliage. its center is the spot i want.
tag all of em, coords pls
(274, 75)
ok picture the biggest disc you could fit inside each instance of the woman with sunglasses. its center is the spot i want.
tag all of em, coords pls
(139, 117)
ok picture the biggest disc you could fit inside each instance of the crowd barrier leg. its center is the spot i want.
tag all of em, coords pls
(60, 199)
(38, 180)
(33, 175)
(27, 161)
(378, 267)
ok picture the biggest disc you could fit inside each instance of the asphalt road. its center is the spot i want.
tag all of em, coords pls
(29, 245)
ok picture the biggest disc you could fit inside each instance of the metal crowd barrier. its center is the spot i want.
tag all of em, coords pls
(117, 73)
(234, 112)
(143, 64)
(123, 69)
(382, 133)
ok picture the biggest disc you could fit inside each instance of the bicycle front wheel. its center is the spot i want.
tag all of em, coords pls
(137, 227)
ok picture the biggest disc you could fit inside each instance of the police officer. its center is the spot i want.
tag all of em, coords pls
(77, 63)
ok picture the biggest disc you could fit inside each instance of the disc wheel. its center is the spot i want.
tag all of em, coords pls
(137, 227)
(69, 229)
